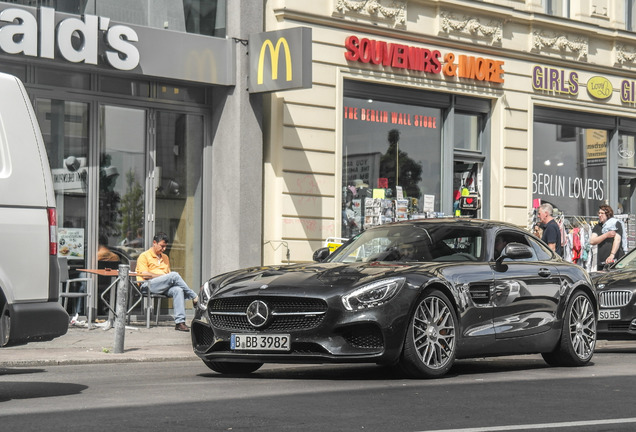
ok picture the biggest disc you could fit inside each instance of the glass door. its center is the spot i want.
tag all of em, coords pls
(122, 182)
(178, 190)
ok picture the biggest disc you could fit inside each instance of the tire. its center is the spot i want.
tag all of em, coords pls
(5, 325)
(578, 336)
(431, 339)
(232, 368)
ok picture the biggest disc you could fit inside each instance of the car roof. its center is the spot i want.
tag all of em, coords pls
(464, 222)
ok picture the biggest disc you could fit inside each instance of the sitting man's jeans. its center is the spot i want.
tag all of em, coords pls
(174, 286)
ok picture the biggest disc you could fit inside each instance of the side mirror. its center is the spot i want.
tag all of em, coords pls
(515, 251)
(321, 254)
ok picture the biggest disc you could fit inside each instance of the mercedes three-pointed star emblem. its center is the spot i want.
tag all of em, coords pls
(257, 313)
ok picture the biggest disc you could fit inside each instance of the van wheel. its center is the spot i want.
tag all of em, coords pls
(5, 325)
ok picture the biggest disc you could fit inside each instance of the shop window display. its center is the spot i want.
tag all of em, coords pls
(391, 162)
(570, 167)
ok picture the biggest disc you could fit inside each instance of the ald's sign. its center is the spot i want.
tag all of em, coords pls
(280, 60)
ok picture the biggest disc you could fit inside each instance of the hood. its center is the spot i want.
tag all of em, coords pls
(318, 278)
(615, 279)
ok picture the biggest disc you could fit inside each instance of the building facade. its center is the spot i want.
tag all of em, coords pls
(147, 123)
(415, 108)
(473, 108)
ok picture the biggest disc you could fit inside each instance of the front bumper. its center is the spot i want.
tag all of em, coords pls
(338, 336)
(617, 300)
(624, 329)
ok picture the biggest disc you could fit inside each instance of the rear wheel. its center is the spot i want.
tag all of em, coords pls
(232, 368)
(431, 345)
(578, 336)
(5, 323)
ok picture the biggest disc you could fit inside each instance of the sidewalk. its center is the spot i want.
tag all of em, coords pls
(81, 345)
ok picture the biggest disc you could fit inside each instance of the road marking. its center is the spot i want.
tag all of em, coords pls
(540, 426)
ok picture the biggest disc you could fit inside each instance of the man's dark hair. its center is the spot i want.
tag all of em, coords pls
(160, 236)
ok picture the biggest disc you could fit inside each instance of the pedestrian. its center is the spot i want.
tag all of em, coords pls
(608, 236)
(551, 231)
(153, 267)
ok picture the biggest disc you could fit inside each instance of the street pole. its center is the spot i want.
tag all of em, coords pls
(120, 309)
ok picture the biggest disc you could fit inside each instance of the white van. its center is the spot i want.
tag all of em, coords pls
(29, 274)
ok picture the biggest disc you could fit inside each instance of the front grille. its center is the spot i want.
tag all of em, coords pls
(615, 298)
(287, 313)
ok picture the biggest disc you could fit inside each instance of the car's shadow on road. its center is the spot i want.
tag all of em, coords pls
(19, 371)
(616, 350)
(385, 373)
(10, 390)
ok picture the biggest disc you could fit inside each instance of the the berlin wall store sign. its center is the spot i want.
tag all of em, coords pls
(23, 33)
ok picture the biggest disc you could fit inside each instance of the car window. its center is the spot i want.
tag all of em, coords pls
(505, 237)
(628, 261)
(543, 252)
(413, 243)
(456, 245)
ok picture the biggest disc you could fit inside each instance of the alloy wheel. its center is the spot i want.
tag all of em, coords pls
(582, 326)
(434, 333)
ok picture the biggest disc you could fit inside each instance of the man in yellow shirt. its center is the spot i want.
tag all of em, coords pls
(153, 266)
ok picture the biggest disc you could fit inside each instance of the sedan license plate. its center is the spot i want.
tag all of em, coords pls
(609, 314)
(260, 342)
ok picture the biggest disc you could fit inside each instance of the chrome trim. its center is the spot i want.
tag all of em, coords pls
(273, 313)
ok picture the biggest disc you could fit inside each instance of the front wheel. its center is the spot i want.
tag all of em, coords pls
(232, 368)
(578, 336)
(431, 339)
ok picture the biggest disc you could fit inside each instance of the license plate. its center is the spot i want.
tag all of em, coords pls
(609, 314)
(260, 342)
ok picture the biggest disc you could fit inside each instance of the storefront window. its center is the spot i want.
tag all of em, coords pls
(467, 132)
(178, 190)
(391, 162)
(122, 180)
(570, 167)
(65, 131)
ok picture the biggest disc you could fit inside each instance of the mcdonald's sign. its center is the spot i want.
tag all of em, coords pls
(280, 60)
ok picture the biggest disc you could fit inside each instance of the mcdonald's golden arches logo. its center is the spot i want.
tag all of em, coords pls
(278, 51)
(274, 52)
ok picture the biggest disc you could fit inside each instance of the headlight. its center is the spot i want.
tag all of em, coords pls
(373, 294)
(205, 293)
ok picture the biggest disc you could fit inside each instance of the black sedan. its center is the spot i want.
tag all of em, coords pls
(416, 295)
(617, 299)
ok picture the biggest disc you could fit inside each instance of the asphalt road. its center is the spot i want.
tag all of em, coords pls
(508, 393)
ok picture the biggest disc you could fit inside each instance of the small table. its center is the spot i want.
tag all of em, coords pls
(112, 273)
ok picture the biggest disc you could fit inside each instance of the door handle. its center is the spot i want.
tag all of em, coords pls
(544, 272)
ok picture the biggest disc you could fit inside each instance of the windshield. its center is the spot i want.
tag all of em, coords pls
(628, 261)
(413, 243)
